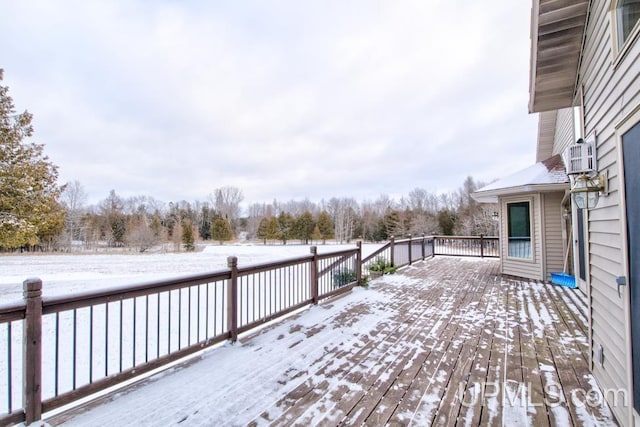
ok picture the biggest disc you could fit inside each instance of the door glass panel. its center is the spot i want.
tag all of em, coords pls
(631, 156)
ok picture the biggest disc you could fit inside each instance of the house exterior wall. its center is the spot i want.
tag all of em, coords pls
(554, 246)
(564, 132)
(546, 134)
(548, 247)
(611, 93)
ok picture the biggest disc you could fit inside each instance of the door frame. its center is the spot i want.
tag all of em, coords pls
(583, 284)
(623, 127)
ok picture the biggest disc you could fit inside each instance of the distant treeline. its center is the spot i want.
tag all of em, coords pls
(143, 222)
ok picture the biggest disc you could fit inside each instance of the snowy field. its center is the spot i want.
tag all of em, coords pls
(69, 273)
(101, 343)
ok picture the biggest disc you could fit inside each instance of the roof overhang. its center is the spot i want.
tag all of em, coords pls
(491, 196)
(546, 176)
(557, 33)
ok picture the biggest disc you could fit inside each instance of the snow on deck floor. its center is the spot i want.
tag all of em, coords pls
(442, 341)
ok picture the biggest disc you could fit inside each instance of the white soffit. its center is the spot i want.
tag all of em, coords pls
(557, 31)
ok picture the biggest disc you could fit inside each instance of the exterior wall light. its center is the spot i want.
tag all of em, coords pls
(587, 190)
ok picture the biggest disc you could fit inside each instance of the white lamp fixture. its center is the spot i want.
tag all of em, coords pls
(587, 189)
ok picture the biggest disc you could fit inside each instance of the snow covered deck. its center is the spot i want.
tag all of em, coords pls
(444, 340)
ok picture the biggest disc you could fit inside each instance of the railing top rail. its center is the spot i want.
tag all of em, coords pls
(465, 237)
(345, 252)
(270, 265)
(116, 293)
(413, 238)
(12, 311)
(85, 299)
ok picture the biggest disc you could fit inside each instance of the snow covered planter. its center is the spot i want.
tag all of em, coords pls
(380, 267)
(344, 277)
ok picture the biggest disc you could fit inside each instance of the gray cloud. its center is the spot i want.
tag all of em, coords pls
(283, 99)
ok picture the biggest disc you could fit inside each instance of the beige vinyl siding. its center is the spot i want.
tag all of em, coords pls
(529, 268)
(546, 133)
(554, 249)
(611, 91)
(564, 132)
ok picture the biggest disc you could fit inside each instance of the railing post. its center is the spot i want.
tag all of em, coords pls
(32, 350)
(314, 275)
(232, 299)
(422, 246)
(433, 246)
(359, 263)
(410, 248)
(481, 245)
(392, 249)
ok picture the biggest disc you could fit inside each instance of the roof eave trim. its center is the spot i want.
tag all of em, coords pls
(480, 196)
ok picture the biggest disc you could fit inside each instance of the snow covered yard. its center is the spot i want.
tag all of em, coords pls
(67, 273)
(445, 340)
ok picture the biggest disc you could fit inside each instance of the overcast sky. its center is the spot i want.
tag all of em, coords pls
(284, 99)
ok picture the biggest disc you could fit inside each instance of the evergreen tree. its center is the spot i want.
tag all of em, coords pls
(263, 230)
(325, 225)
(188, 240)
(303, 227)
(29, 210)
(205, 223)
(221, 230)
(112, 209)
(156, 226)
(273, 229)
(446, 222)
(392, 224)
(285, 225)
(316, 235)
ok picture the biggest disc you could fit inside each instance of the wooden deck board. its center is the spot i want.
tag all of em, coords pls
(463, 346)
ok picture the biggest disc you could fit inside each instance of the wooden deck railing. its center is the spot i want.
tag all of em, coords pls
(482, 246)
(55, 351)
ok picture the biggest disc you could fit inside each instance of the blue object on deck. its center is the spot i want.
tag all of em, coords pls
(564, 279)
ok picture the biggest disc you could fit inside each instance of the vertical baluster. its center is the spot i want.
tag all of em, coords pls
(146, 328)
(272, 293)
(134, 301)
(239, 307)
(253, 276)
(188, 316)
(274, 280)
(121, 340)
(255, 299)
(285, 287)
(225, 307)
(198, 313)
(106, 339)
(90, 344)
(179, 319)
(206, 311)
(169, 324)
(9, 370)
(215, 308)
(56, 358)
(158, 325)
(75, 347)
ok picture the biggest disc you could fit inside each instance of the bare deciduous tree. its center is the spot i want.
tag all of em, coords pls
(73, 198)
